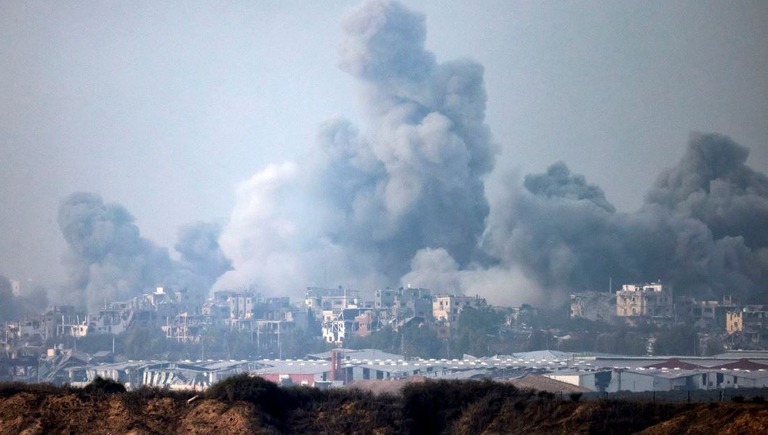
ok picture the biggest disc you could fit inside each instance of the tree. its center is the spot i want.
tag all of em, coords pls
(713, 346)
(678, 340)
(144, 343)
(477, 331)
(538, 340)
(418, 340)
(622, 341)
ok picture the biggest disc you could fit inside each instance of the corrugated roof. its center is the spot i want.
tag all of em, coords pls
(742, 364)
(674, 363)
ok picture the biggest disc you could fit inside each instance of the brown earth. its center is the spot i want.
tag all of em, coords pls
(72, 412)
(26, 413)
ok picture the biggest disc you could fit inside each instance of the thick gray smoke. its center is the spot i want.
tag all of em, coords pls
(565, 235)
(110, 261)
(7, 300)
(405, 200)
(29, 302)
(713, 184)
(365, 204)
(202, 261)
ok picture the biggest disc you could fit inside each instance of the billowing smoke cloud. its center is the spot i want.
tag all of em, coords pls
(564, 234)
(29, 302)
(110, 261)
(405, 201)
(202, 261)
(365, 204)
(713, 184)
(7, 300)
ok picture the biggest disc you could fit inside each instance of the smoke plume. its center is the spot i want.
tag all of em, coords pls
(404, 201)
(564, 234)
(108, 259)
(365, 204)
(713, 184)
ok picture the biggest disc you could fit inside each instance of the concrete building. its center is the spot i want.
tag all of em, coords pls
(446, 308)
(108, 321)
(652, 301)
(750, 322)
(240, 303)
(338, 326)
(595, 306)
(187, 328)
(384, 298)
(319, 299)
(410, 301)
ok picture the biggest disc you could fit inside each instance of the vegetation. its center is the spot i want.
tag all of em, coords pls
(248, 404)
(104, 386)
(678, 340)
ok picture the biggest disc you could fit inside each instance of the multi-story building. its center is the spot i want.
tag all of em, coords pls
(108, 321)
(403, 303)
(446, 308)
(414, 302)
(337, 326)
(384, 298)
(267, 336)
(187, 328)
(321, 299)
(750, 321)
(652, 301)
(59, 319)
(595, 306)
(240, 303)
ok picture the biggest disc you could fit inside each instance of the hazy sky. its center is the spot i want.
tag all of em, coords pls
(164, 107)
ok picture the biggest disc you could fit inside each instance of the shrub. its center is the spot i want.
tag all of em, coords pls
(431, 407)
(575, 397)
(243, 387)
(738, 399)
(266, 395)
(104, 386)
(546, 395)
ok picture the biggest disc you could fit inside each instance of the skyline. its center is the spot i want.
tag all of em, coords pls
(128, 107)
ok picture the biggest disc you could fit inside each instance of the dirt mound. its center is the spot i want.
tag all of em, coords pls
(729, 419)
(211, 416)
(421, 407)
(45, 414)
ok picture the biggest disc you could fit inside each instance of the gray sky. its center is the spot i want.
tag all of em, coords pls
(165, 107)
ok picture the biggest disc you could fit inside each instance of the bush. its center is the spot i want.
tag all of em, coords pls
(546, 395)
(243, 387)
(274, 401)
(575, 397)
(104, 386)
(432, 407)
(738, 399)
